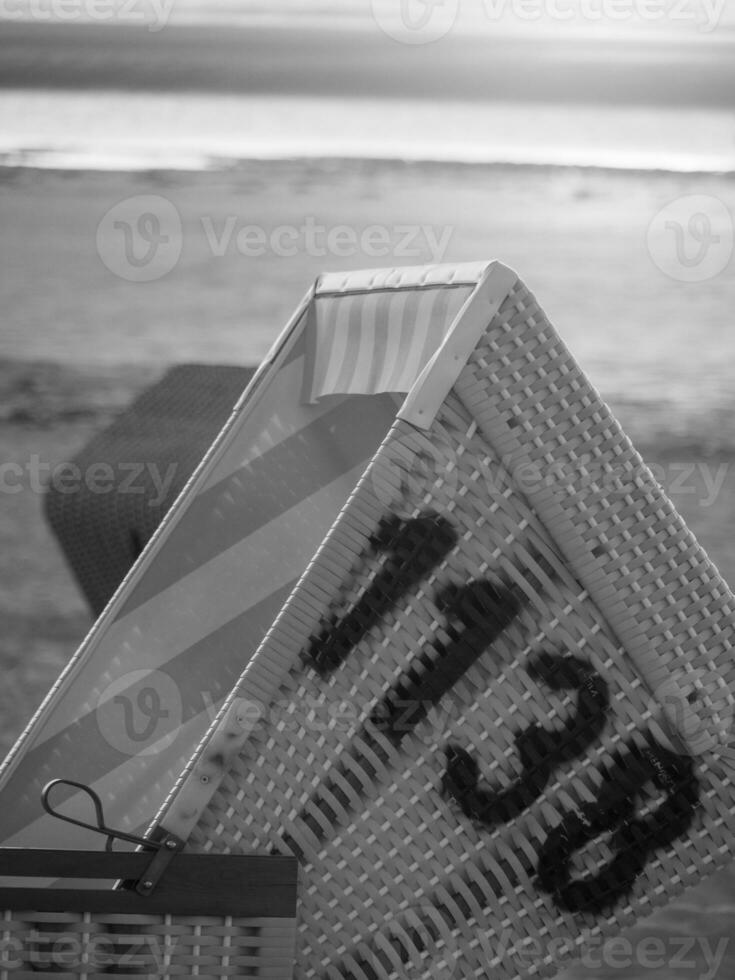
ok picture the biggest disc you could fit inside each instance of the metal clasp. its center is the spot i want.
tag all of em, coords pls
(165, 849)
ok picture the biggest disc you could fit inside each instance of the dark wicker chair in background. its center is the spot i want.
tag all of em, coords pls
(166, 430)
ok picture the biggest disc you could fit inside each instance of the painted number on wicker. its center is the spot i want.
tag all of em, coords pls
(635, 836)
(414, 548)
(541, 751)
(476, 614)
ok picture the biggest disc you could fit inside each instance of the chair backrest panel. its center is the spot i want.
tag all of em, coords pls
(449, 723)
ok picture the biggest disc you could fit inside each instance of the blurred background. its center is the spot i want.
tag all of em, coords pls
(175, 173)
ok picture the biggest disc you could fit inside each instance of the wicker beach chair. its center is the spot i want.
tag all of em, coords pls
(492, 720)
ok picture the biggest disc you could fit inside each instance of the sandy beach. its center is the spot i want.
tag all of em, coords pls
(79, 340)
(246, 243)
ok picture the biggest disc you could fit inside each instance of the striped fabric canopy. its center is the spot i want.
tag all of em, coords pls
(365, 343)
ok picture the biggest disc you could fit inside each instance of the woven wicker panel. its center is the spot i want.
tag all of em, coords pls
(90, 945)
(495, 711)
(169, 427)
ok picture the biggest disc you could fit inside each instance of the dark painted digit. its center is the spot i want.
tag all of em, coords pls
(633, 838)
(477, 615)
(415, 547)
(540, 750)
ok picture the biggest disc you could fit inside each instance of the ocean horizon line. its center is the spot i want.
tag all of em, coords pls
(70, 160)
